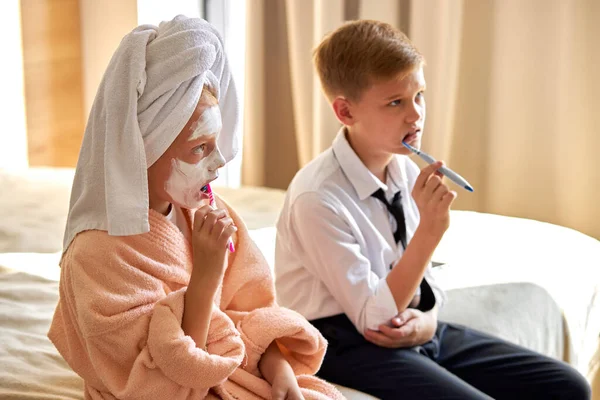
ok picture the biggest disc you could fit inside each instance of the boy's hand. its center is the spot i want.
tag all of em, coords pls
(433, 199)
(410, 328)
(212, 229)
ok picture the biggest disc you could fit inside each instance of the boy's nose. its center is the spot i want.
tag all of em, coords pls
(414, 114)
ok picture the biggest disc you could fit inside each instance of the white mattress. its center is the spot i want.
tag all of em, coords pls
(546, 284)
(30, 366)
(484, 249)
(550, 269)
(32, 218)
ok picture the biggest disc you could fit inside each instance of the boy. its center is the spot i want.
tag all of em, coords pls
(356, 233)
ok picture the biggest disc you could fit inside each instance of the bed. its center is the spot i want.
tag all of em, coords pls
(529, 282)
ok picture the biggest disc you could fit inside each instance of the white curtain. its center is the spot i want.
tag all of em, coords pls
(512, 97)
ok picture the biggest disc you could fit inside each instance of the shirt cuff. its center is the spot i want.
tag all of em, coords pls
(381, 307)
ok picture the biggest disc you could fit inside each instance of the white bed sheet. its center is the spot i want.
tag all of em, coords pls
(479, 249)
(484, 249)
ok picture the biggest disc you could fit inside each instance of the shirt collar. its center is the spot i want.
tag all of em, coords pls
(363, 181)
(397, 174)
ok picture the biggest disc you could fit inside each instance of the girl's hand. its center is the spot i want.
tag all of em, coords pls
(212, 229)
(285, 386)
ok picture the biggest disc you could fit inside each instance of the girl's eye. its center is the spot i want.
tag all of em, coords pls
(199, 149)
(395, 103)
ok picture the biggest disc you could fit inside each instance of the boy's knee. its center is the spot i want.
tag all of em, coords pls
(573, 386)
(579, 388)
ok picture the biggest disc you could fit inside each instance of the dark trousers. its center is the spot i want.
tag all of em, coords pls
(458, 363)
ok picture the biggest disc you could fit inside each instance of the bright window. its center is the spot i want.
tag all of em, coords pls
(229, 17)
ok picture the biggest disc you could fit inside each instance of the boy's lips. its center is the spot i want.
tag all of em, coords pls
(411, 136)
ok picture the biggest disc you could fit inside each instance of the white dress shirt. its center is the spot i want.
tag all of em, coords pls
(335, 243)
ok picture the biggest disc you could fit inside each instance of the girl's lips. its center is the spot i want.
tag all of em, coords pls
(203, 194)
(200, 196)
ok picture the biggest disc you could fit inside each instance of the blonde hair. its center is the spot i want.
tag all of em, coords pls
(209, 96)
(359, 52)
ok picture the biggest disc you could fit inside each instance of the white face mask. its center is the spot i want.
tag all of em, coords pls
(209, 122)
(186, 180)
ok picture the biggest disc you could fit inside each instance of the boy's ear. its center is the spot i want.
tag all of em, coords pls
(341, 108)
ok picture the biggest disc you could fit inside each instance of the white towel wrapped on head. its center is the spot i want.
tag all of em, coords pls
(147, 95)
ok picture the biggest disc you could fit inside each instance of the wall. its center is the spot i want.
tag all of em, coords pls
(53, 80)
(13, 134)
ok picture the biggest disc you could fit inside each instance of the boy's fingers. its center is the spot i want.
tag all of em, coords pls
(440, 192)
(407, 314)
(448, 199)
(432, 184)
(408, 328)
(377, 338)
(392, 333)
(425, 173)
(437, 171)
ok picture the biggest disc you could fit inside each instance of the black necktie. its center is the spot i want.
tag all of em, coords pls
(395, 208)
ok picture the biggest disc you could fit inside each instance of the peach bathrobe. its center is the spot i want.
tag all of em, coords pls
(118, 321)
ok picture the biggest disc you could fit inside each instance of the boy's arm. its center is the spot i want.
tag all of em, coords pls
(327, 243)
(433, 198)
(407, 274)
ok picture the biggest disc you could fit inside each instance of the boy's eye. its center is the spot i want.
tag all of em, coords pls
(421, 94)
(395, 103)
(199, 149)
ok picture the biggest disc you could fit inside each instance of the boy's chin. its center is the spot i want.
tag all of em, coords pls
(405, 152)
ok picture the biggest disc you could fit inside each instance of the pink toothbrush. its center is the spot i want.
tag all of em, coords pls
(213, 204)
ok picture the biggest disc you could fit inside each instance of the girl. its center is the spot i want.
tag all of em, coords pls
(152, 302)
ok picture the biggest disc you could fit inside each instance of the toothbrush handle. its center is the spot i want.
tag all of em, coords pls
(453, 176)
(213, 204)
(426, 157)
